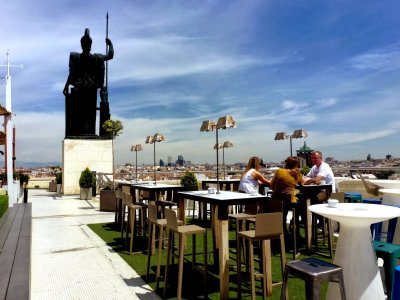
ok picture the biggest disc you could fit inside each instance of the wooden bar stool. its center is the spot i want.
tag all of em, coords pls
(313, 271)
(133, 208)
(155, 223)
(182, 232)
(268, 226)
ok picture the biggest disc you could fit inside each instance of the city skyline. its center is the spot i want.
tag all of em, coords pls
(331, 68)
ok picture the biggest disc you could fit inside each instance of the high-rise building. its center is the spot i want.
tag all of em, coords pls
(180, 161)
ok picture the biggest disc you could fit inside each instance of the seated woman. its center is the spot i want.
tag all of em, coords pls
(283, 186)
(250, 180)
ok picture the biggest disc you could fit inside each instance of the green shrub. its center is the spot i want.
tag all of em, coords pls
(23, 179)
(305, 169)
(59, 178)
(189, 181)
(3, 204)
(87, 179)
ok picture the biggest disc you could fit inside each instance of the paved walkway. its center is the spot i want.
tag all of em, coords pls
(69, 261)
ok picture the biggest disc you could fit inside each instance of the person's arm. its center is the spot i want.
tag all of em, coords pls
(110, 53)
(273, 181)
(257, 175)
(65, 90)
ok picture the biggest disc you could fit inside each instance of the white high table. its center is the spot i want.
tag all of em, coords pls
(354, 252)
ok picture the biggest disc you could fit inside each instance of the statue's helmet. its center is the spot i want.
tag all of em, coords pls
(86, 40)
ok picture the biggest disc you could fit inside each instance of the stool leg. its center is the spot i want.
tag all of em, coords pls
(127, 224)
(122, 223)
(283, 261)
(251, 259)
(341, 286)
(294, 221)
(205, 264)
(330, 237)
(268, 269)
(389, 274)
(284, 285)
(312, 289)
(133, 221)
(170, 246)
(151, 226)
(180, 264)
(239, 268)
(160, 241)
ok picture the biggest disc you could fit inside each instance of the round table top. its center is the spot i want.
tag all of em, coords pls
(356, 213)
(390, 191)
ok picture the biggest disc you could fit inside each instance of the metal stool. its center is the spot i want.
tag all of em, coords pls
(377, 227)
(313, 271)
(268, 226)
(389, 253)
(353, 197)
(396, 284)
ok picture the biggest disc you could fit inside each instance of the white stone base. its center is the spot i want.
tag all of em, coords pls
(79, 154)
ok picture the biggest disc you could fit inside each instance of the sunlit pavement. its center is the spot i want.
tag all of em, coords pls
(69, 261)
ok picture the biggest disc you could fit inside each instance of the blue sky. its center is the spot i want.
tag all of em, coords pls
(330, 67)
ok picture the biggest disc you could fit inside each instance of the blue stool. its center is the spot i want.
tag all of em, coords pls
(377, 227)
(389, 253)
(372, 201)
(352, 197)
(396, 284)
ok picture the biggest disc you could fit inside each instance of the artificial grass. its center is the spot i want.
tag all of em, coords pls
(3, 204)
(193, 283)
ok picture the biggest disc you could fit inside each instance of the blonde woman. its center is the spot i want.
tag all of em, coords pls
(251, 177)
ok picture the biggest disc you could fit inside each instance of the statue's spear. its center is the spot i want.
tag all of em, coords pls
(107, 52)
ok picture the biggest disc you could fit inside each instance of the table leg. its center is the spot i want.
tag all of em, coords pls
(223, 245)
(308, 225)
(355, 254)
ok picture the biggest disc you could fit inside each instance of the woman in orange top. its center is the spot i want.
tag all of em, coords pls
(283, 186)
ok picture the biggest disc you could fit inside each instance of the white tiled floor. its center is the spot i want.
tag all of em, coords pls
(69, 261)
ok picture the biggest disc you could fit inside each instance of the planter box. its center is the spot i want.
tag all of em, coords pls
(86, 193)
(107, 200)
(52, 186)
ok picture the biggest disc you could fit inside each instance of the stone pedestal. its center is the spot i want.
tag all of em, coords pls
(79, 154)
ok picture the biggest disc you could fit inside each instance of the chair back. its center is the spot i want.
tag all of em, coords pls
(338, 196)
(152, 212)
(172, 221)
(269, 224)
(126, 189)
(370, 187)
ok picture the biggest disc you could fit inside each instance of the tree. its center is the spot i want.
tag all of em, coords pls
(388, 156)
(113, 128)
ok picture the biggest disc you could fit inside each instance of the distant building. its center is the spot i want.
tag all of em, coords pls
(305, 153)
(162, 163)
(180, 161)
(169, 161)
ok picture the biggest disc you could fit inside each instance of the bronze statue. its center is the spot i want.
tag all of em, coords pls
(86, 77)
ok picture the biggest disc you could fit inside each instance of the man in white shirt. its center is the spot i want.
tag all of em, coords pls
(320, 173)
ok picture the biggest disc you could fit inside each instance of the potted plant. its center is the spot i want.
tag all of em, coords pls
(59, 182)
(107, 199)
(113, 128)
(23, 181)
(189, 183)
(86, 182)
